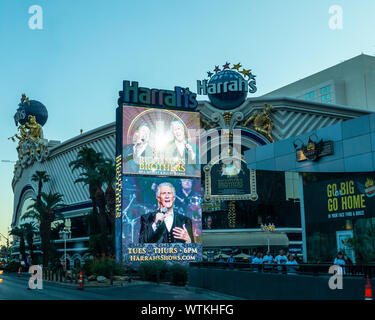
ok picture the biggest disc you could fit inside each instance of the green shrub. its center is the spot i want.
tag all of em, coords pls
(154, 271)
(12, 266)
(178, 274)
(104, 266)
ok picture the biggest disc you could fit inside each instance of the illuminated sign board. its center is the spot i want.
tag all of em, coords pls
(227, 87)
(342, 195)
(177, 98)
(313, 151)
(158, 194)
(160, 142)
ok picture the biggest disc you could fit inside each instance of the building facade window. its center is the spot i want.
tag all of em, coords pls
(309, 95)
(326, 98)
(325, 94)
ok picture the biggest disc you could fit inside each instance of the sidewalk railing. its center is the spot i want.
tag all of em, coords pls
(62, 276)
(303, 268)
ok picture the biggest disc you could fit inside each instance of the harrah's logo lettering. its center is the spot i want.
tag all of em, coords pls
(179, 98)
(204, 88)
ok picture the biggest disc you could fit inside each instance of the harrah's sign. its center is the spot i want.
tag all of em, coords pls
(240, 84)
(179, 98)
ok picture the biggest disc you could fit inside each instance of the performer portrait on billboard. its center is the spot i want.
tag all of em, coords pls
(165, 225)
(139, 148)
(181, 149)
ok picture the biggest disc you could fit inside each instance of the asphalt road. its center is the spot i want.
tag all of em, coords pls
(15, 288)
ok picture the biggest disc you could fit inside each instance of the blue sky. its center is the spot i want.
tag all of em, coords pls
(76, 64)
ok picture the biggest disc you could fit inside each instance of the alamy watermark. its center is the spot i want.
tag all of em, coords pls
(336, 281)
(36, 20)
(36, 276)
(335, 22)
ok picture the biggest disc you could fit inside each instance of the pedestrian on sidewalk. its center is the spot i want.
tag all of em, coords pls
(291, 264)
(281, 260)
(267, 262)
(258, 260)
(339, 261)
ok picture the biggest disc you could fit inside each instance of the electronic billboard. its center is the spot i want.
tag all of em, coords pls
(160, 142)
(159, 193)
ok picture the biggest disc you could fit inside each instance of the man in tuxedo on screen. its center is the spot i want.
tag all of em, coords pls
(180, 149)
(139, 148)
(165, 225)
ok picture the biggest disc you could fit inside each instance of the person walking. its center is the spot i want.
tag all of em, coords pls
(258, 260)
(291, 264)
(339, 261)
(267, 262)
(231, 261)
(281, 260)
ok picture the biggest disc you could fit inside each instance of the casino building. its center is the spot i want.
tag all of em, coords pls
(236, 199)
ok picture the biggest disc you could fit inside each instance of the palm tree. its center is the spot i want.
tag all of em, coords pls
(40, 177)
(29, 231)
(44, 211)
(87, 161)
(93, 165)
(19, 232)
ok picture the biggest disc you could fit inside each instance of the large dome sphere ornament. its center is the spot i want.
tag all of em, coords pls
(30, 107)
(227, 88)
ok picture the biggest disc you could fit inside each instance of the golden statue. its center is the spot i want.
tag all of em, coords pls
(35, 129)
(262, 122)
(23, 134)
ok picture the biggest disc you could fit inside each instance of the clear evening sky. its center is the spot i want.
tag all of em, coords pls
(76, 64)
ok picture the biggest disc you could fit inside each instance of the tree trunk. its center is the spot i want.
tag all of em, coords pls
(23, 249)
(92, 191)
(40, 186)
(100, 199)
(45, 240)
(30, 244)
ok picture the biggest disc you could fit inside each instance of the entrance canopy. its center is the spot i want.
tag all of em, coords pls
(237, 238)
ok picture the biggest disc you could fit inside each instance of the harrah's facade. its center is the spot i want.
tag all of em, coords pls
(236, 200)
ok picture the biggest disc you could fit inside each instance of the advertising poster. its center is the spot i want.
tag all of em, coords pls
(342, 196)
(178, 237)
(160, 142)
(159, 193)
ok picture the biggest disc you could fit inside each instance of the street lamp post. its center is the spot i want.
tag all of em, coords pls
(64, 233)
(268, 229)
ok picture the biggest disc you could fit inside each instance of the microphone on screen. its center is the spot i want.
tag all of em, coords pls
(163, 211)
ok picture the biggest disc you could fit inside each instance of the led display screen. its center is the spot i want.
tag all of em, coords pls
(160, 142)
(178, 236)
(158, 185)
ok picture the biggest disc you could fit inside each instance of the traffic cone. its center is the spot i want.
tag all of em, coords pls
(80, 282)
(19, 271)
(1, 273)
(368, 290)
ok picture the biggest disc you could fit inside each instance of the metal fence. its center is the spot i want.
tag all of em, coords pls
(302, 269)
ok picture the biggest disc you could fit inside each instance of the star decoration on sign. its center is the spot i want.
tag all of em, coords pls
(226, 65)
(187, 91)
(237, 66)
(245, 72)
(210, 74)
(217, 69)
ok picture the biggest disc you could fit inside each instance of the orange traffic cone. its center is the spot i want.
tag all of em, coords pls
(368, 290)
(80, 282)
(19, 271)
